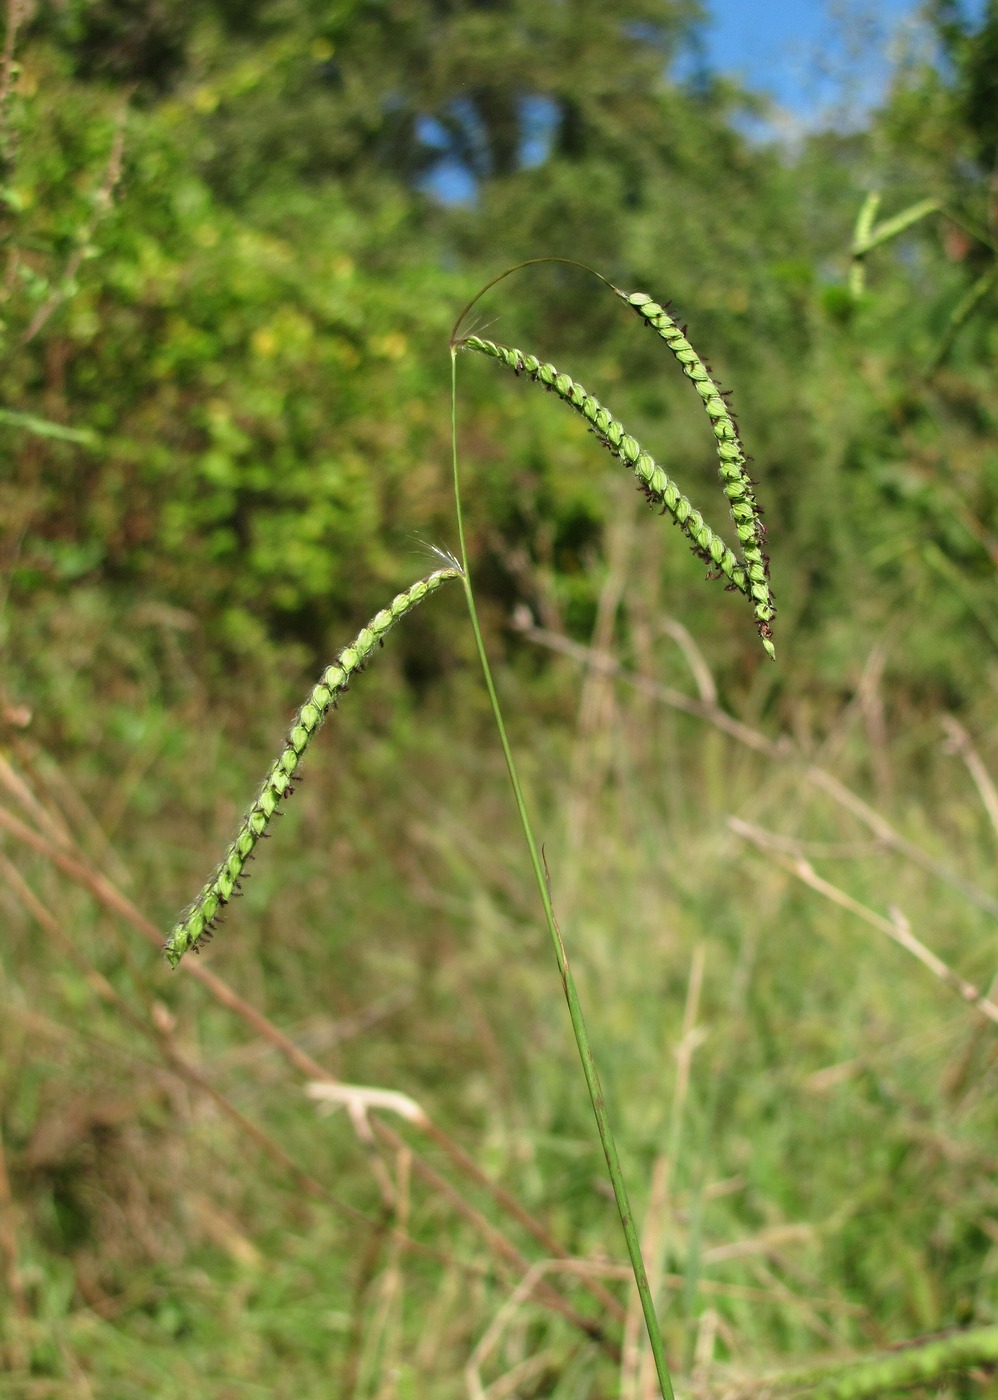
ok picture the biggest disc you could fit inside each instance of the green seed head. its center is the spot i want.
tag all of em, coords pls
(196, 922)
(733, 463)
(653, 479)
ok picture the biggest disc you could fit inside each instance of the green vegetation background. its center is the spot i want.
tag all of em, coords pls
(228, 283)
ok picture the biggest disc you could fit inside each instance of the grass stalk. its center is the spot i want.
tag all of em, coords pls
(586, 1055)
(896, 927)
(72, 863)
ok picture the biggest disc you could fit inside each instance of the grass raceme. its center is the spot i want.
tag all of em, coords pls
(196, 924)
(747, 573)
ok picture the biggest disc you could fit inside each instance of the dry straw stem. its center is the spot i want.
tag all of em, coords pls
(73, 863)
(360, 1099)
(382, 1332)
(156, 1029)
(197, 922)
(527, 1289)
(886, 837)
(958, 741)
(896, 928)
(502, 1248)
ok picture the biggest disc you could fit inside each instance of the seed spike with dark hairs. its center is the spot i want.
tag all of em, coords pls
(748, 573)
(741, 573)
(737, 484)
(196, 924)
(654, 481)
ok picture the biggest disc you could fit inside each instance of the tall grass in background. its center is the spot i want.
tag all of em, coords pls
(749, 574)
(790, 983)
(805, 1112)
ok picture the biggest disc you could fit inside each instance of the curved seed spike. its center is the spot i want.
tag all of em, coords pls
(196, 923)
(864, 223)
(657, 486)
(737, 483)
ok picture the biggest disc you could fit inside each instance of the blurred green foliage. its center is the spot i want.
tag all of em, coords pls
(253, 338)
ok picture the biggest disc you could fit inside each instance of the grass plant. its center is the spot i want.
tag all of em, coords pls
(800, 1040)
(814, 1150)
(749, 574)
(197, 922)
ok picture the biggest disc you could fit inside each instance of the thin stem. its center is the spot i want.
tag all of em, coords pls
(568, 981)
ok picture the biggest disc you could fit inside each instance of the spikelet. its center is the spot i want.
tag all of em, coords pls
(736, 482)
(197, 923)
(748, 574)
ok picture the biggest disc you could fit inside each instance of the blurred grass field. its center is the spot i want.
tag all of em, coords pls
(804, 1110)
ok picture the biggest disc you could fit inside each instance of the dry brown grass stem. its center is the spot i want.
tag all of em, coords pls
(513, 1208)
(384, 1339)
(71, 862)
(502, 1247)
(530, 1287)
(758, 1293)
(609, 665)
(783, 748)
(700, 671)
(766, 1243)
(958, 741)
(157, 1029)
(596, 725)
(896, 927)
(16, 11)
(47, 821)
(14, 1353)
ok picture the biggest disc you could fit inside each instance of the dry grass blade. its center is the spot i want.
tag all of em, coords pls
(154, 1027)
(529, 1287)
(783, 748)
(360, 1099)
(637, 1373)
(74, 866)
(896, 928)
(959, 743)
(503, 1249)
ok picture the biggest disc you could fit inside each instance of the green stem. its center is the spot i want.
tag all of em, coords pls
(568, 981)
